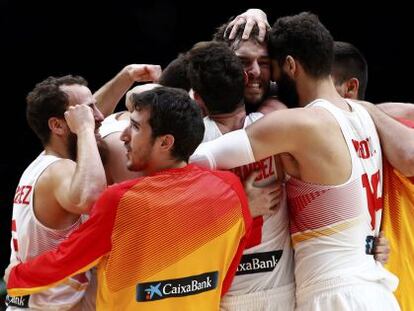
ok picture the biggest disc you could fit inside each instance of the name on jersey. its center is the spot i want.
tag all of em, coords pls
(192, 285)
(17, 301)
(258, 262)
(265, 167)
(362, 148)
(22, 194)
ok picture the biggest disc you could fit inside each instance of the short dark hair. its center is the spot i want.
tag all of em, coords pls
(235, 43)
(172, 111)
(349, 63)
(47, 100)
(175, 74)
(304, 38)
(216, 74)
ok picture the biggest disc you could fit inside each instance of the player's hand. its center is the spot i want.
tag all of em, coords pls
(136, 90)
(262, 200)
(251, 17)
(144, 72)
(80, 117)
(381, 248)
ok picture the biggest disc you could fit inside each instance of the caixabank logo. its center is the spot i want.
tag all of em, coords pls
(18, 301)
(258, 262)
(191, 285)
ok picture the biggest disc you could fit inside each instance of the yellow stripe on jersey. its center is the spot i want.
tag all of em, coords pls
(326, 231)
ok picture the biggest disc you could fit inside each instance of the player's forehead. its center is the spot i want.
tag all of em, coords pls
(78, 94)
(251, 49)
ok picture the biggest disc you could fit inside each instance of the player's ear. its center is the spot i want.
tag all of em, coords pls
(352, 87)
(57, 125)
(167, 142)
(245, 77)
(290, 65)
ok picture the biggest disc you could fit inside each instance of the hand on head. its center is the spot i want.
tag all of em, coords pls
(250, 18)
(136, 90)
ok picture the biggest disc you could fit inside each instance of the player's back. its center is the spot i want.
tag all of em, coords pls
(332, 225)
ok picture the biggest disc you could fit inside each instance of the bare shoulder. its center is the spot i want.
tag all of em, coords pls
(301, 118)
(58, 170)
(287, 127)
(271, 104)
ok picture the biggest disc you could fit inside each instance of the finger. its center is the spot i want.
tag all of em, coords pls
(381, 258)
(248, 29)
(277, 189)
(251, 178)
(380, 242)
(381, 249)
(381, 239)
(237, 24)
(275, 201)
(262, 30)
(275, 206)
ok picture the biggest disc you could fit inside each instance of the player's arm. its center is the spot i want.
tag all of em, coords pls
(109, 95)
(397, 140)
(275, 133)
(398, 110)
(76, 186)
(82, 250)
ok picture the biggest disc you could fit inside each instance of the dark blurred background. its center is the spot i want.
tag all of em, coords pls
(95, 40)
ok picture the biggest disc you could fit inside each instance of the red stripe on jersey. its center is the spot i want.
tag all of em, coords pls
(255, 237)
(15, 245)
(13, 226)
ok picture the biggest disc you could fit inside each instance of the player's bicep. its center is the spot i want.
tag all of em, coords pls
(61, 186)
(277, 132)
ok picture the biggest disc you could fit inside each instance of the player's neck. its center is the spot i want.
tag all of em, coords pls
(232, 121)
(165, 165)
(320, 89)
(58, 149)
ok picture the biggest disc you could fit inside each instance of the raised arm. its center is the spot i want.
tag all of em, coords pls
(250, 18)
(77, 186)
(110, 93)
(397, 140)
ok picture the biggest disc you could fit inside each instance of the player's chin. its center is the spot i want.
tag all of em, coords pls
(254, 98)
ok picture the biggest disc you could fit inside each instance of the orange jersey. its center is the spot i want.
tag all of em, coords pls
(397, 223)
(170, 241)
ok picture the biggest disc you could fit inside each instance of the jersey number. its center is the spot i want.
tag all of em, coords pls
(374, 202)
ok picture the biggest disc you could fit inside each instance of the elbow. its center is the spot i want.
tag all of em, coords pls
(89, 198)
